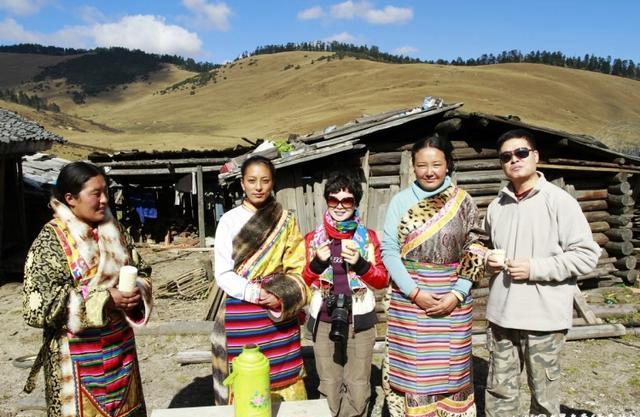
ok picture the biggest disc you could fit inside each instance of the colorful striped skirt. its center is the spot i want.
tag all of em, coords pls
(247, 323)
(105, 369)
(429, 355)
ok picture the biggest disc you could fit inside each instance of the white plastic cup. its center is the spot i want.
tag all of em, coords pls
(348, 244)
(499, 255)
(128, 275)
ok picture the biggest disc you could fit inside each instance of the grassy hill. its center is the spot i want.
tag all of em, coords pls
(299, 92)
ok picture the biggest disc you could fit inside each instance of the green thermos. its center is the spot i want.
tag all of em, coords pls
(250, 383)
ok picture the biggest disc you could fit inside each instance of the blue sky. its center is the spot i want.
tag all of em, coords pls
(218, 31)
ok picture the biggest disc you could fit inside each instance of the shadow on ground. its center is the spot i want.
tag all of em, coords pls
(199, 393)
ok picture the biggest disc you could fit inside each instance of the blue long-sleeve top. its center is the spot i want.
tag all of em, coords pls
(398, 207)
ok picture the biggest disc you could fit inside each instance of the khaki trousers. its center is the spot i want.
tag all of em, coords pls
(344, 371)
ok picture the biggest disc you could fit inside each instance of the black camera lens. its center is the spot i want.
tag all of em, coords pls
(339, 325)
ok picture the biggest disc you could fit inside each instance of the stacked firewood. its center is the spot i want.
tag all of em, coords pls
(620, 245)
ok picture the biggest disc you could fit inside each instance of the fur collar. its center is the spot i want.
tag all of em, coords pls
(109, 252)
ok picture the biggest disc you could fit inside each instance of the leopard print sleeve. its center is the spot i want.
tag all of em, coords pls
(472, 261)
(47, 282)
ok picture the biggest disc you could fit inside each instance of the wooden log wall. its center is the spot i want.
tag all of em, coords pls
(606, 200)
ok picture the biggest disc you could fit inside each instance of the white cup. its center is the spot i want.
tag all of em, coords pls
(498, 255)
(348, 244)
(128, 275)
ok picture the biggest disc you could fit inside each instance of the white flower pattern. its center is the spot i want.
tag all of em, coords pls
(35, 300)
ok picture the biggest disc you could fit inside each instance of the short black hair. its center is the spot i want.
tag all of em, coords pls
(343, 180)
(437, 142)
(258, 159)
(517, 134)
(72, 178)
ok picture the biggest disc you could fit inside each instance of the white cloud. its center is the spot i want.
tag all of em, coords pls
(388, 15)
(209, 15)
(405, 50)
(90, 14)
(22, 7)
(311, 13)
(12, 31)
(343, 37)
(365, 10)
(148, 33)
(349, 9)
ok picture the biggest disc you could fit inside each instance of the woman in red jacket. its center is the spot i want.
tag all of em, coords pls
(343, 267)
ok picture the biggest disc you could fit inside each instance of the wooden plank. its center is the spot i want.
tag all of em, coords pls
(364, 201)
(365, 130)
(407, 176)
(385, 181)
(471, 153)
(476, 177)
(301, 212)
(384, 158)
(200, 190)
(483, 189)
(388, 169)
(372, 218)
(594, 205)
(587, 169)
(581, 162)
(477, 164)
(22, 217)
(163, 162)
(121, 172)
(619, 235)
(585, 195)
(319, 205)
(626, 263)
(599, 227)
(620, 200)
(3, 188)
(484, 200)
(580, 303)
(620, 188)
(596, 216)
(308, 206)
(315, 408)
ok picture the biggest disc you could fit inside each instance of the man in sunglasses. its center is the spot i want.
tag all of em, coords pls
(548, 243)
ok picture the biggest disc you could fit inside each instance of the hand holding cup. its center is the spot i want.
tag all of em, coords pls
(350, 251)
(323, 252)
(496, 261)
(127, 295)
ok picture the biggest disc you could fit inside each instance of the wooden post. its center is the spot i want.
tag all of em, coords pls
(200, 190)
(407, 175)
(319, 205)
(3, 187)
(582, 307)
(364, 201)
(301, 211)
(21, 208)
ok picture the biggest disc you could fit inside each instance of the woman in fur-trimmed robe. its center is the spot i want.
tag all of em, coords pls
(259, 256)
(70, 290)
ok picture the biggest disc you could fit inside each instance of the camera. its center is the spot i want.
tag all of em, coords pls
(339, 307)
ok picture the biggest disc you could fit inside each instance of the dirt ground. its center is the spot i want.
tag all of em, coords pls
(599, 376)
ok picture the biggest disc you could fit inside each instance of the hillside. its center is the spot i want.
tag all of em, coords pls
(299, 92)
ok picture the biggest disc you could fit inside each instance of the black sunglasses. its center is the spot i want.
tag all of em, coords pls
(347, 202)
(520, 153)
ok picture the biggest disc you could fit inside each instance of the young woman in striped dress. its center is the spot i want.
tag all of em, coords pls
(259, 256)
(432, 251)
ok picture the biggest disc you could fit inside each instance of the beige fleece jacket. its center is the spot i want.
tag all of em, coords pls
(548, 228)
